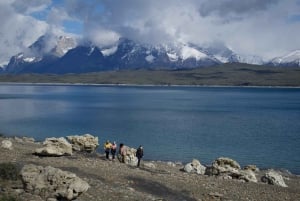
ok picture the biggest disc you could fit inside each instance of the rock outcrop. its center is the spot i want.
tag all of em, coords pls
(85, 143)
(247, 175)
(55, 147)
(52, 183)
(195, 167)
(7, 144)
(129, 157)
(224, 165)
(230, 169)
(274, 178)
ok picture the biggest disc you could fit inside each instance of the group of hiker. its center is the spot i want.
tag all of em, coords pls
(112, 148)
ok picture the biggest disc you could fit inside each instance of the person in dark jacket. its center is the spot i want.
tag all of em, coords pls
(139, 154)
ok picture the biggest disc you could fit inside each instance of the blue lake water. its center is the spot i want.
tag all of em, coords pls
(251, 125)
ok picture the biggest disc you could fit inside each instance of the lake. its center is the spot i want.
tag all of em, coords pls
(250, 125)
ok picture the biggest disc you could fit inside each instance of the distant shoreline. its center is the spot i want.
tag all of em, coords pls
(142, 85)
(236, 75)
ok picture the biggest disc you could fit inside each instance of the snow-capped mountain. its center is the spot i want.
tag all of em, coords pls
(226, 55)
(62, 55)
(291, 59)
(44, 51)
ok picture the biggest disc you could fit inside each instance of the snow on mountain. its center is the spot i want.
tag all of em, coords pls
(109, 51)
(150, 58)
(189, 52)
(63, 55)
(44, 51)
(29, 59)
(3, 66)
(291, 59)
(63, 45)
(173, 57)
(249, 59)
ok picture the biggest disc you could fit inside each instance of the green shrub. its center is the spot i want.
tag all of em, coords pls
(7, 198)
(9, 171)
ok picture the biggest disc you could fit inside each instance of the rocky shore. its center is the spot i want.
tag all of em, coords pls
(66, 169)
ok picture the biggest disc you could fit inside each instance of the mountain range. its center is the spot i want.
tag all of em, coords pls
(63, 55)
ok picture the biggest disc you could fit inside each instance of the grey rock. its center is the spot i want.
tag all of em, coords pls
(251, 167)
(195, 167)
(86, 142)
(7, 144)
(149, 165)
(172, 164)
(55, 147)
(224, 164)
(49, 182)
(230, 169)
(211, 171)
(129, 156)
(247, 175)
(273, 178)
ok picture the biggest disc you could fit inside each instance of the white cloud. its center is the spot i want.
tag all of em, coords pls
(256, 27)
(30, 6)
(101, 37)
(17, 31)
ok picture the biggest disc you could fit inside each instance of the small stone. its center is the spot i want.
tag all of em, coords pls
(216, 194)
(149, 165)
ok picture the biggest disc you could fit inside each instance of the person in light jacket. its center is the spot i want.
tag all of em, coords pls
(107, 147)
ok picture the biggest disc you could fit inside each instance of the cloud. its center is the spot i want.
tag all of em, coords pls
(30, 6)
(267, 28)
(226, 8)
(17, 31)
(253, 27)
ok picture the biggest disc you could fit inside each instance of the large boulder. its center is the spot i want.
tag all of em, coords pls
(245, 175)
(195, 167)
(225, 165)
(274, 178)
(129, 157)
(49, 182)
(230, 169)
(86, 142)
(55, 147)
(7, 144)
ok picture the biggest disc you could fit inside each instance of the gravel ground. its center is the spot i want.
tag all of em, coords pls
(111, 180)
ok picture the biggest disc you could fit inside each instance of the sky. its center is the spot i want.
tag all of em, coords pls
(266, 28)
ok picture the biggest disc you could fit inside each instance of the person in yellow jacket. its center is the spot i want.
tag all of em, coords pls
(107, 147)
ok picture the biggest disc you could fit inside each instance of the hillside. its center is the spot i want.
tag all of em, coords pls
(225, 75)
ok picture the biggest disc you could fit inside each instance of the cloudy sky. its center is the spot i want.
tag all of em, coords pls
(267, 28)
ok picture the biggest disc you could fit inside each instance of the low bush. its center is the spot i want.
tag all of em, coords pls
(9, 171)
(7, 198)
